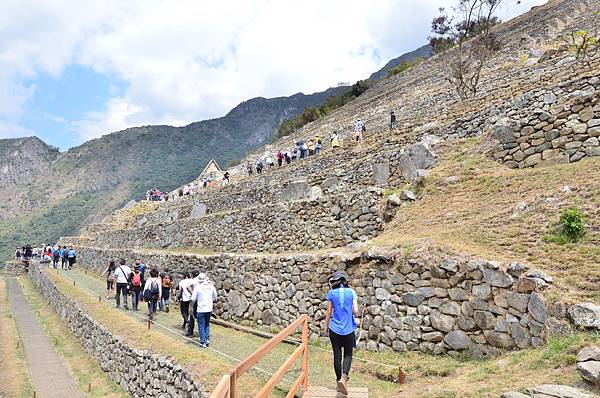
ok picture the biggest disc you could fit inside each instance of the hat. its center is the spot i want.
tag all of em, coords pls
(338, 275)
(202, 277)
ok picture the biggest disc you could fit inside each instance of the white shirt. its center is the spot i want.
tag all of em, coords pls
(122, 272)
(185, 294)
(204, 294)
(149, 283)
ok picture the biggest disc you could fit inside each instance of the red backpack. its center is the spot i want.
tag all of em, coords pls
(137, 279)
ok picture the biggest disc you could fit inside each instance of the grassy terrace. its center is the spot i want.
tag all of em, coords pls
(428, 376)
(479, 215)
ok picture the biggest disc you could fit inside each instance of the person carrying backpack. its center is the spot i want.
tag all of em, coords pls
(184, 297)
(110, 278)
(135, 287)
(279, 158)
(340, 324)
(335, 141)
(72, 257)
(55, 257)
(152, 292)
(392, 120)
(123, 274)
(166, 285)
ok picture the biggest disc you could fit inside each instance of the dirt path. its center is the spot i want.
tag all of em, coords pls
(49, 374)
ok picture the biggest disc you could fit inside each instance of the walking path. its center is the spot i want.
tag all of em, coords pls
(49, 374)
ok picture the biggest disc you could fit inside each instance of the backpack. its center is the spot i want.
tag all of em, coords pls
(56, 254)
(166, 281)
(136, 280)
(154, 288)
(364, 128)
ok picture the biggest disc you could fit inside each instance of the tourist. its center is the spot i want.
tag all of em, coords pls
(192, 304)
(166, 285)
(249, 168)
(270, 162)
(18, 253)
(287, 157)
(184, 297)
(311, 147)
(204, 295)
(226, 178)
(72, 257)
(340, 323)
(259, 166)
(55, 257)
(318, 144)
(135, 287)
(152, 292)
(359, 127)
(335, 140)
(280, 156)
(123, 274)
(392, 120)
(305, 149)
(110, 277)
(142, 267)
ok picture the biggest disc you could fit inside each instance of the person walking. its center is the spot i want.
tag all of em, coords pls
(152, 292)
(318, 144)
(63, 257)
(359, 127)
(340, 324)
(279, 158)
(249, 168)
(184, 297)
(192, 304)
(72, 257)
(392, 120)
(166, 285)
(270, 162)
(55, 257)
(110, 278)
(123, 274)
(311, 147)
(204, 295)
(135, 287)
(335, 140)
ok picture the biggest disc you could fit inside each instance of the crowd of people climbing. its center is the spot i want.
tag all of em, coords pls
(194, 292)
(66, 256)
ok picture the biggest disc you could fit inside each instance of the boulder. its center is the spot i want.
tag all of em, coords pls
(381, 173)
(237, 302)
(198, 210)
(517, 269)
(590, 371)
(416, 157)
(559, 391)
(295, 190)
(442, 322)
(499, 339)
(457, 340)
(591, 353)
(585, 315)
(497, 278)
(503, 131)
(412, 299)
(537, 308)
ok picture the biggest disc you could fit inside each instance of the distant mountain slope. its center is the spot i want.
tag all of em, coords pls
(423, 51)
(45, 194)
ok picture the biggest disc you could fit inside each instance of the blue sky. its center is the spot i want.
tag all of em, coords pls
(72, 71)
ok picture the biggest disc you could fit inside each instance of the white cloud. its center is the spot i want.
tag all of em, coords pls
(188, 60)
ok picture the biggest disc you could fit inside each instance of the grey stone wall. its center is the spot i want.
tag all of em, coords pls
(140, 372)
(424, 302)
(15, 268)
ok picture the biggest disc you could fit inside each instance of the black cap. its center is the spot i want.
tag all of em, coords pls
(338, 275)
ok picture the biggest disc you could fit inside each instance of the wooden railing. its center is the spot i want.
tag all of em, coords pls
(228, 386)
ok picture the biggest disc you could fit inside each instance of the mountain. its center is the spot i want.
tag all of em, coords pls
(421, 52)
(46, 194)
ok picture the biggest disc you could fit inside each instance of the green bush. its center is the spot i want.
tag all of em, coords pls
(572, 223)
(403, 66)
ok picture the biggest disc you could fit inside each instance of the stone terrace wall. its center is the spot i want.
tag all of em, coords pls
(15, 268)
(153, 376)
(328, 221)
(420, 303)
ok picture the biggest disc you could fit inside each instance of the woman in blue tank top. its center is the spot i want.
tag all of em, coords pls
(339, 325)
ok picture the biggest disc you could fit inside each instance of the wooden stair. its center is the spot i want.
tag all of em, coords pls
(323, 392)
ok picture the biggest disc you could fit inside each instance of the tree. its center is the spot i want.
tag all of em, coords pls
(466, 41)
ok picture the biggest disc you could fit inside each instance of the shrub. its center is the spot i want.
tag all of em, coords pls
(582, 43)
(572, 223)
(404, 66)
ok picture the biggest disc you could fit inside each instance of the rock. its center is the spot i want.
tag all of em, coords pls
(484, 319)
(591, 353)
(514, 394)
(585, 315)
(537, 307)
(517, 269)
(408, 195)
(433, 336)
(457, 340)
(412, 299)
(503, 131)
(237, 302)
(295, 190)
(540, 275)
(590, 371)
(521, 335)
(198, 211)
(416, 157)
(526, 285)
(430, 140)
(559, 391)
(497, 278)
(382, 253)
(498, 339)
(449, 265)
(328, 183)
(442, 322)
(518, 301)
(381, 173)
(450, 308)
(315, 193)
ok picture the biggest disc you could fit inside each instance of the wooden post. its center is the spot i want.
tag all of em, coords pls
(305, 353)
(99, 298)
(34, 394)
(73, 282)
(400, 375)
(149, 324)
(89, 387)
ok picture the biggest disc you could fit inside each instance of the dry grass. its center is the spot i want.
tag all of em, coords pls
(84, 367)
(14, 377)
(479, 215)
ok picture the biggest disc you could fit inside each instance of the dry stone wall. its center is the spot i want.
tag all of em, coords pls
(326, 221)
(417, 303)
(15, 268)
(140, 372)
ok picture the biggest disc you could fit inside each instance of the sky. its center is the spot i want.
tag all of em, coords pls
(73, 70)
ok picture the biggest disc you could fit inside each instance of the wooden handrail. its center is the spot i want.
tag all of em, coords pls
(231, 389)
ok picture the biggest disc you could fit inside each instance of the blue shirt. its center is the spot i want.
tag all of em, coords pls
(342, 320)
(71, 253)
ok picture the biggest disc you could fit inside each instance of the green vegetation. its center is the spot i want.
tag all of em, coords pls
(404, 66)
(571, 222)
(582, 43)
(311, 114)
